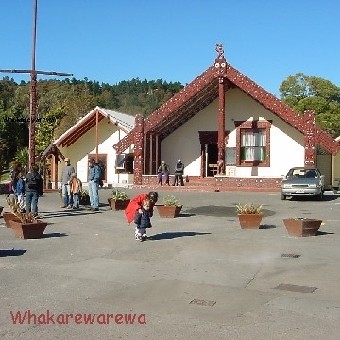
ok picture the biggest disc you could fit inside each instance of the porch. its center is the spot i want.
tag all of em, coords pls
(216, 183)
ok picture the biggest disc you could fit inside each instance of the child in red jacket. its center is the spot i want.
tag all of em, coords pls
(136, 205)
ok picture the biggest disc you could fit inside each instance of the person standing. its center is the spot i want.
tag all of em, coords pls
(163, 171)
(65, 178)
(76, 189)
(20, 191)
(93, 184)
(142, 221)
(179, 170)
(15, 176)
(33, 189)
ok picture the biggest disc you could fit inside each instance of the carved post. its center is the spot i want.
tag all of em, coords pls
(32, 120)
(221, 127)
(139, 151)
(309, 138)
(221, 68)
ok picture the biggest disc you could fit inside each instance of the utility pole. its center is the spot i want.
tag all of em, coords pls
(33, 89)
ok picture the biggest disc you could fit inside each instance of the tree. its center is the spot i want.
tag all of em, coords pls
(62, 102)
(46, 128)
(303, 92)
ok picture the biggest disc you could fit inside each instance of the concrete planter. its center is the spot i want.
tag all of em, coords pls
(7, 217)
(28, 230)
(118, 204)
(302, 227)
(250, 221)
(84, 200)
(168, 211)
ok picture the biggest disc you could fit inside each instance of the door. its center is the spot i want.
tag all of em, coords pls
(211, 160)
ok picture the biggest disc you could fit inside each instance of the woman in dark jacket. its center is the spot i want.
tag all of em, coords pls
(33, 189)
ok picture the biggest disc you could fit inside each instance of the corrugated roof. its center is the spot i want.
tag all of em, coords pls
(124, 121)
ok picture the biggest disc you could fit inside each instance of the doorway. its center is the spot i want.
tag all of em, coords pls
(211, 157)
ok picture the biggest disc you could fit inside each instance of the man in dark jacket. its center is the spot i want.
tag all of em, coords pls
(93, 184)
(33, 189)
(179, 170)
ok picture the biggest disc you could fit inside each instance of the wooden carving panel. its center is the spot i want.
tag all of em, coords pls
(138, 152)
(309, 138)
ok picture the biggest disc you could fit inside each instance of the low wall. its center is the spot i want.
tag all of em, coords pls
(223, 183)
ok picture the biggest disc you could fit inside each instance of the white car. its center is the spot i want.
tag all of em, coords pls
(302, 181)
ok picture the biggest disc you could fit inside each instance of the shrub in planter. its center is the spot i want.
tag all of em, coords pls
(250, 215)
(119, 200)
(24, 225)
(170, 208)
(84, 198)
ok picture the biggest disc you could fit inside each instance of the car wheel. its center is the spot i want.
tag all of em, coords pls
(283, 197)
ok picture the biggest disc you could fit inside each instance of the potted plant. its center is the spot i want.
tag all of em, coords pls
(84, 198)
(119, 200)
(13, 206)
(24, 225)
(170, 208)
(301, 227)
(249, 215)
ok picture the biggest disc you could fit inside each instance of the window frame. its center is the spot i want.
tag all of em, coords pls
(128, 163)
(252, 125)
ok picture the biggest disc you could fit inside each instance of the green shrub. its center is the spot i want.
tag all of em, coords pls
(248, 208)
(119, 195)
(171, 200)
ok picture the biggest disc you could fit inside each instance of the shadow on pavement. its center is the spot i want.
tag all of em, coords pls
(267, 226)
(50, 235)
(68, 213)
(320, 233)
(326, 198)
(185, 215)
(171, 235)
(12, 252)
(221, 211)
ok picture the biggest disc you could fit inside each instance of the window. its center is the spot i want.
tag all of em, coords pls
(253, 143)
(124, 163)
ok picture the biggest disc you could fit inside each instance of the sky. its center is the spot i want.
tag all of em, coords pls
(109, 41)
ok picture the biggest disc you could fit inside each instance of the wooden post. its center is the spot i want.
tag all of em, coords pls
(139, 151)
(221, 127)
(221, 71)
(33, 89)
(96, 136)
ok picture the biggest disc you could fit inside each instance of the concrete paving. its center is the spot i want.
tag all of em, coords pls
(198, 276)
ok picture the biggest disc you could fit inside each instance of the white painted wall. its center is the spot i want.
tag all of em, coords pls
(109, 134)
(286, 143)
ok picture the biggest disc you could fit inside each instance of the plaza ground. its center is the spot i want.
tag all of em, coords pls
(198, 276)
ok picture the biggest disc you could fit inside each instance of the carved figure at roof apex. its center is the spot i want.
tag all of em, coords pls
(220, 51)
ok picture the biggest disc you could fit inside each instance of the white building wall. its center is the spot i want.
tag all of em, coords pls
(286, 143)
(108, 135)
(184, 144)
